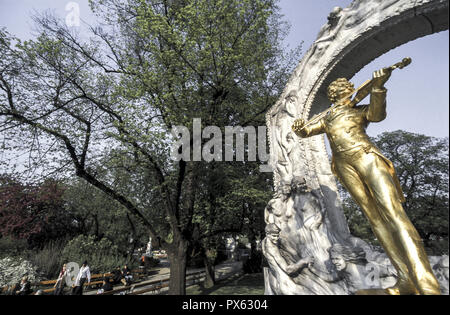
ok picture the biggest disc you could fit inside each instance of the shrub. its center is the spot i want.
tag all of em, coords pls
(102, 255)
(10, 247)
(49, 259)
(13, 269)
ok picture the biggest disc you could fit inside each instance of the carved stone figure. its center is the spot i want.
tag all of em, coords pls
(284, 135)
(329, 30)
(280, 259)
(352, 267)
(277, 211)
(295, 236)
(441, 272)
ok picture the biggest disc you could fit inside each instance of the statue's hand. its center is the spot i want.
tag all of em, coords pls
(298, 125)
(311, 265)
(291, 269)
(380, 77)
(309, 261)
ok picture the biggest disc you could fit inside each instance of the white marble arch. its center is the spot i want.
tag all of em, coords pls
(353, 37)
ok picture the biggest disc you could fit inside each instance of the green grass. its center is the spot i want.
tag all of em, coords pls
(247, 284)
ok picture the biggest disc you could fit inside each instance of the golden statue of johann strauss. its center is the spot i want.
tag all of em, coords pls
(370, 177)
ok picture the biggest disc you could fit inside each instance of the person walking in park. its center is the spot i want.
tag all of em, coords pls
(84, 274)
(61, 281)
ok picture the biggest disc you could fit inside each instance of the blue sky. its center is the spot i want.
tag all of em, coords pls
(418, 99)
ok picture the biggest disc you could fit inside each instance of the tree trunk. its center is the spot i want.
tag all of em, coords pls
(210, 270)
(133, 235)
(252, 240)
(178, 258)
(96, 227)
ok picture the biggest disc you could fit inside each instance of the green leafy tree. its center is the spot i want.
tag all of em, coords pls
(96, 214)
(231, 205)
(102, 255)
(421, 163)
(151, 66)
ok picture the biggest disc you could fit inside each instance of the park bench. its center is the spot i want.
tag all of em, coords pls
(154, 288)
(155, 285)
(195, 276)
(96, 280)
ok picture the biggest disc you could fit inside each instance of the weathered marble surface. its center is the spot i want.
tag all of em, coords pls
(309, 214)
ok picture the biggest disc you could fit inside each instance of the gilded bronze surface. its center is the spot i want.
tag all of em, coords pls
(370, 177)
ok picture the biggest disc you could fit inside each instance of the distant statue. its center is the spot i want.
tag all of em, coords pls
(148, 250)
(370, 177)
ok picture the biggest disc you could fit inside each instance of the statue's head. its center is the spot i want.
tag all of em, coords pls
(342, 255)
(334, 14)
(291, 96)
(338, 262)
(338, 89)
(291, 102)
(272, 232)
(298, 184)
(284, 189)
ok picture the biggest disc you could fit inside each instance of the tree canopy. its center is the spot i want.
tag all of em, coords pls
(105, 105)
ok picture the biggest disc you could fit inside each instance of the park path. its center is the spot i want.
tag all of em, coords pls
(223, 270)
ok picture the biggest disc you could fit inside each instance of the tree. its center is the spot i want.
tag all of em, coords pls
(152, 66)
(33, 212)
(102, 217)
(421, 163)
(232, 205)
